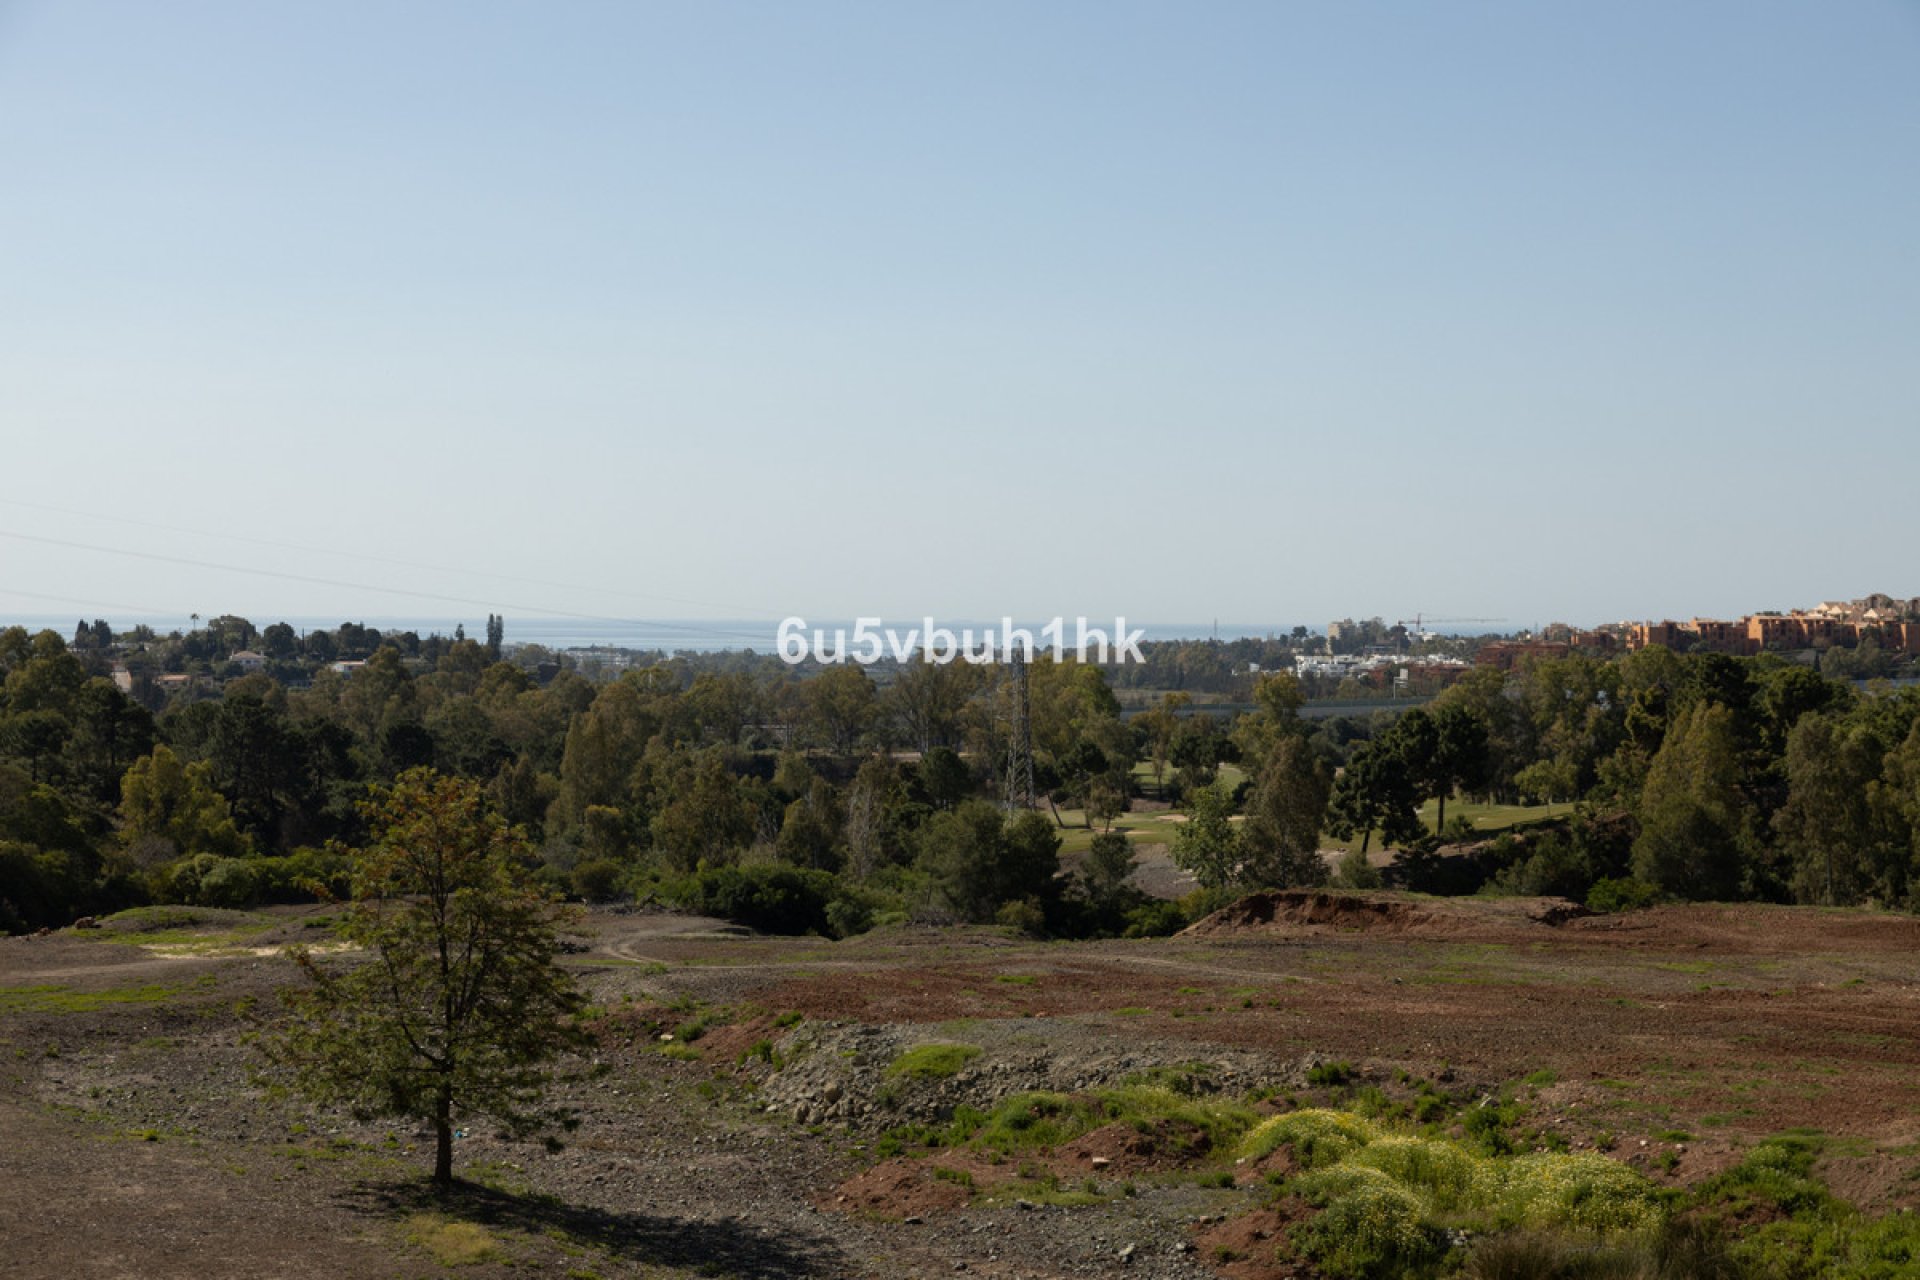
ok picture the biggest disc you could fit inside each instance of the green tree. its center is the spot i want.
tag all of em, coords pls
(1206, 845)
(1288, 807)
(1460, 760)
(928, 701)
(1277, 698)
(1157, 729)
(1692, 840)
(976, 860)
(840, 705)
(1827, 825)
(496, 634)
(943, 778)
(1110, 861)
(873, 800)
(165, 799)
(459, 1009)
(812, 827)
(704, 818)
(110, 731)
(1895, 803)
(1374, 790)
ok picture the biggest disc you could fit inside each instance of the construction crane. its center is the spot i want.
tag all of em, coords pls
(1419, 622)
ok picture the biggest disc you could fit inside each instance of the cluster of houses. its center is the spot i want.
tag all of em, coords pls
(1891, 623)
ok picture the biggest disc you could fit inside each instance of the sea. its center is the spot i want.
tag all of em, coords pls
(669, 635)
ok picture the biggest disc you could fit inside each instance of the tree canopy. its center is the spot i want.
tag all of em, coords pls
(456, 1009)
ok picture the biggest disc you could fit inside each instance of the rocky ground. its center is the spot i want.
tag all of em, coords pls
(139, 1142)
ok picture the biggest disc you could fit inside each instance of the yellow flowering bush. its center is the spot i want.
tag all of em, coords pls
(1368, 1224)
(1450, 1177)
(1318, 1135)
(1387, 1199)
(1582, 1191)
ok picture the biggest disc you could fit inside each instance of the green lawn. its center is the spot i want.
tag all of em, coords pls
(1230, 774)
(1141, 828)
(1156, 828)
(1488, 818)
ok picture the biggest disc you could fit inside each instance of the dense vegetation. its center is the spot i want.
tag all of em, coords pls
(828, 799)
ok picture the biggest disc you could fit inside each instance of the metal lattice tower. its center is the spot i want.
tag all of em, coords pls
(1020, 741)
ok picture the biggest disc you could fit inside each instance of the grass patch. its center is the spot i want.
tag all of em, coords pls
(933, 1061)
(52, 998)
(1388, 1200)
(1048, 1190)
(186, 929)
(1329, 1074)
(1799, 1222)
(1038, 1121)
(452, 1243)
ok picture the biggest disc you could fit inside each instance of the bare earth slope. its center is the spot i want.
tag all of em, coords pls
(134, 1142)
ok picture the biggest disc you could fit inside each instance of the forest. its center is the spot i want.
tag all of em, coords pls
(830, 799)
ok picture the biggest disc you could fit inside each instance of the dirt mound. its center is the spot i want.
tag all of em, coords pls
(1312, 908)
(726, 1044)
(1249, 1247)
(1317, 910)
(1123, 1148)
(902, 1188)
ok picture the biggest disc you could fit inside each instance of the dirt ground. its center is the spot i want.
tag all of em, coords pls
(135, 1140)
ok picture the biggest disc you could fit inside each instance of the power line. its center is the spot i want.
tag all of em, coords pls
(279, 545)
(87, 604)
(489, 605)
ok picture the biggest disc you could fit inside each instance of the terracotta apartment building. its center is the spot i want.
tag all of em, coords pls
(1890, 623)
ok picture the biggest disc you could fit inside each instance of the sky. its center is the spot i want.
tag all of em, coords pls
(1271, 312)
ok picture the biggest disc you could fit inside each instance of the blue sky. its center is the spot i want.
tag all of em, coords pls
(1265, 312)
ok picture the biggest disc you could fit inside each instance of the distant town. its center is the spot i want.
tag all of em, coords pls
(1877, 622)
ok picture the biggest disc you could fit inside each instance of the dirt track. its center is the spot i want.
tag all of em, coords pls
(136, 1145)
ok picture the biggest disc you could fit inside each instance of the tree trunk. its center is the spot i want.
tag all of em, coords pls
(1365, 837)
(443, 1132)
(1440, 819)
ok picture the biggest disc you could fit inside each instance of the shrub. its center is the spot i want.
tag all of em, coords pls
(1682, 1249)
(1554, 868)
(1448, 1176)
(1319, 1136)
(1155, 919)
(933, 1061)
(1489, 1123)
(1024, 915)
(597, 879)
(1777, 1173)
(229, 882)
(773, 898)
(1368, 1225)
(1355, 872)
(208, 880)
(1580, 1191)
(305, 875)
(1330, 1073)
(1621, 894)
(1031, 1120)
(847, 916)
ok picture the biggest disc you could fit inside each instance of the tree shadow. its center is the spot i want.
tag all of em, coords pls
(715, 1248)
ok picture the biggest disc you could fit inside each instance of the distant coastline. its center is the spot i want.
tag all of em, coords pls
(667, 634)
